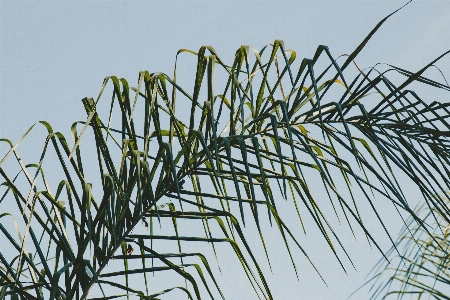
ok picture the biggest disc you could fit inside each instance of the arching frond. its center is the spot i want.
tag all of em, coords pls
(165, 165)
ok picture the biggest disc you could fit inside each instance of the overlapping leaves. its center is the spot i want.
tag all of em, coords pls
(222, 155)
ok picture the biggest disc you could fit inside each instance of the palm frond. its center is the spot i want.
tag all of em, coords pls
(421, 269)
(165, 159)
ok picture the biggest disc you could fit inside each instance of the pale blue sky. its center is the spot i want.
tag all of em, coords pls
(54, 54)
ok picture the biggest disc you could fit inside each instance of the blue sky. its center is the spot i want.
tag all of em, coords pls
(54, 54)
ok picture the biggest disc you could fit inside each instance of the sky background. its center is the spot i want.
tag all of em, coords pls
(53, 54)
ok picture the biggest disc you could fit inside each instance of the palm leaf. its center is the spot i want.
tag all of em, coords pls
(421, 269)
(213, 157)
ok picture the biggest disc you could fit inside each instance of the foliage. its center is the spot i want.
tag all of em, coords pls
(275, 130)
(422, 267)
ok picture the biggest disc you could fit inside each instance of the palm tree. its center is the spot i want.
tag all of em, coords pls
(224, 160)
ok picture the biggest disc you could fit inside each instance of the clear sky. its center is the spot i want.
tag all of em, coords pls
(53, 54)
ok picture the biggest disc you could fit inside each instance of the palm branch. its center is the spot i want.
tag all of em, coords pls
(421, 270)
(225, 154)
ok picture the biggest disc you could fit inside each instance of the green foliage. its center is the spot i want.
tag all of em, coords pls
(276, 129)
(421, 269)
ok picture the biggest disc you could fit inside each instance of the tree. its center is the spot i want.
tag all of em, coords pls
(272, 132)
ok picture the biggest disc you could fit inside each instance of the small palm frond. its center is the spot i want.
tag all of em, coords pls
(422, 268)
